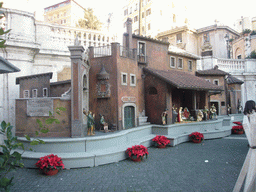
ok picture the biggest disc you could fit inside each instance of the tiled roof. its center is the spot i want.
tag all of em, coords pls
(183, 80)
(33, 76)
(213, 72)
(181, 52)
(233, 80)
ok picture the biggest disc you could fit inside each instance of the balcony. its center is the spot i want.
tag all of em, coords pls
(142, 59)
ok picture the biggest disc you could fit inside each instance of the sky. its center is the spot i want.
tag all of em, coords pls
(202, 12)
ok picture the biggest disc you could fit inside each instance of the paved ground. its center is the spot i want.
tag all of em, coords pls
(213, 165)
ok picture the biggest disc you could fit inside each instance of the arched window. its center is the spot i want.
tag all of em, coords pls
(152, 91)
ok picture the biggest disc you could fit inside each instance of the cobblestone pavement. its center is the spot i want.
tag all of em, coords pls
(213, 165)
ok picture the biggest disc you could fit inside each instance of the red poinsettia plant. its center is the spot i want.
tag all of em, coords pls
(196, 136)
(238, 127)
(138, 150)
(50, 162)
(161, 140)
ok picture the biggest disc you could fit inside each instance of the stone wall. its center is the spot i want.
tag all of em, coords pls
(27, 125)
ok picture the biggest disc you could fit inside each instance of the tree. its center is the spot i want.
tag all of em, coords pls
(90, 21)
(2, 32)
(253, 54)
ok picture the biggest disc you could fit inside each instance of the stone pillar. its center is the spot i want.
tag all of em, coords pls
(77, 129)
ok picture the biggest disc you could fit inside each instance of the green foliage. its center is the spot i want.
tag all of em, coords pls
(90, 21)
(253, 54)
(10, 158)
(253, 32)
(2, 32)
(246, 31)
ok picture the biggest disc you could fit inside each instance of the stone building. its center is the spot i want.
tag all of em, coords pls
(146, 15)
(207, 41)
(64, 13)
(231, 86)
(37, 47)
(143, 79)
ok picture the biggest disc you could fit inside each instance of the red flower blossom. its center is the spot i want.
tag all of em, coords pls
(161, 140)
(137, 150)
(50, 162)
(238, 127)
(196, 136)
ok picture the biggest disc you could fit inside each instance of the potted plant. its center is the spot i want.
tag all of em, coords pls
(50, 164)
(161, 141)
(196, 137)
(137, 152)
(238, 129)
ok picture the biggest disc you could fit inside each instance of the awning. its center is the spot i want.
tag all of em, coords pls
(7, 67)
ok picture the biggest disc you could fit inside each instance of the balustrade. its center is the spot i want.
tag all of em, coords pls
(231, 64)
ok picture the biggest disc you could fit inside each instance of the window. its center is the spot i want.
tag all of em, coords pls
(142, 49)
(26, 93)
(179, 38)
(124, 78)
(136, 18)
(174, 18)
(190, 65)
(239, 57)
(143, 28)
(152, 91)
(206, 38)
(130, 10)
(143, 15)
(45, 92)
(149, 27)
(148, 12)
(132, 80)
(223, 103)
(208, 80)
(180, 63)
(216, 81)
(125, 12)
(172, 62)
(34, 93)
(136, 7)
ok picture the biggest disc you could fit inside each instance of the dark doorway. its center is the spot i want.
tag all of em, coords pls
(129, 117)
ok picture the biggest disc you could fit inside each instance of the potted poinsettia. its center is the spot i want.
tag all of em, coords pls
(238, 128)
(161, 141)
(196, 137)
(137, 152)
(50, 164)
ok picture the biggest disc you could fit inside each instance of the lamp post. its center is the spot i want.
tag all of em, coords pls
(227, 41)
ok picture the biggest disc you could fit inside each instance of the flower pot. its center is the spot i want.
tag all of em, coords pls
(196, 140)
(136, 159)
(239, 132)
(161, 146)
(51, 172)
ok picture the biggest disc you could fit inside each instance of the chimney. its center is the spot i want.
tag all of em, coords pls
(128, 34)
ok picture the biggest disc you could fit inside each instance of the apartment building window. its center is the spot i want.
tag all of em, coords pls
(149, 26)
(180, 63)
(136, 7)
(130, 10)
(124, 78)
(190, 65)
(143, 14)
(136, 18)
(132, 80)
(45, 92)
(26, 94)
(34, 93)
(179, 38)
(143, 28)
(172, 62)
(216, 81)
(125, 12)
(148, 12)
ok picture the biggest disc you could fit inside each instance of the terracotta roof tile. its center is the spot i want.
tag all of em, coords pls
(213, 72)
(233, 80)
(183, 80)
